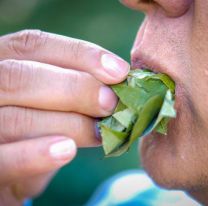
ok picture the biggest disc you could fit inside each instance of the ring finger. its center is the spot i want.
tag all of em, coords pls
(18, 123)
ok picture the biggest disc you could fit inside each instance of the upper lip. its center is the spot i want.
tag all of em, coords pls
(141, 60)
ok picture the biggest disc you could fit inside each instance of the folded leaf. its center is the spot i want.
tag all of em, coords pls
(146, 103)
(125, 117)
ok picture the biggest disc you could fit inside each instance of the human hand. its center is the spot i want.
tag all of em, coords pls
(52, 88)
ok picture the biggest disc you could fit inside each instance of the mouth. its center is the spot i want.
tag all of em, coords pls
(144, 61)
(158, 151)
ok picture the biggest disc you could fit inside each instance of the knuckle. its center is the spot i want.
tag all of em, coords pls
(21, 162)
(75, 83)
(76, 48)
(81, 86)
(27, 41)
(11, 76)
(83, 127)
(71, 85)
(15, 123)
(78, 128)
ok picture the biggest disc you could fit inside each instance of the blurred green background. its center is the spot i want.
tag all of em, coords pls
(104, 22)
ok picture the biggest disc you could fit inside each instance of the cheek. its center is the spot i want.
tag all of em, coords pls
(199, 99)
(198, 85)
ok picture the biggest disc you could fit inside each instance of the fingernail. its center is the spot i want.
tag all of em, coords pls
(62, 149)
(107, 99)
(114, 65)
(97, 132)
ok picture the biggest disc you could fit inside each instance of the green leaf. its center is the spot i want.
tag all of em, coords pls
(125, 117)
(133, 98)
(112, 139)
(162, 126)
(146, 103)
(167, 111)
(148, 113)
(166, 80)
(120, 107)
(111, 122)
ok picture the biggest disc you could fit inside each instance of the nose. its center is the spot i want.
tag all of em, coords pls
(172, 8)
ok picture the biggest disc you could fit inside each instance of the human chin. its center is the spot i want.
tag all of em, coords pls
(173, 160)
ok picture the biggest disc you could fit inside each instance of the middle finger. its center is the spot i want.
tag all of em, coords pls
(47, 87)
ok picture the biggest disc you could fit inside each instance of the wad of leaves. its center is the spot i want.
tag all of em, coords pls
(146, 103)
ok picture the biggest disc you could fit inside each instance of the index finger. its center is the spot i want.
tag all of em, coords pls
(64, 52)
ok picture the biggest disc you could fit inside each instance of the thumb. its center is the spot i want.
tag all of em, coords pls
(32, 157)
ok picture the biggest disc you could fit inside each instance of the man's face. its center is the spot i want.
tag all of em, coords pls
(173, 39)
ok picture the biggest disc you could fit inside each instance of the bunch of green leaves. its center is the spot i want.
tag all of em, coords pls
(146, 103)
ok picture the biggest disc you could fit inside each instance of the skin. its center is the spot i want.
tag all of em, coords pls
(173, 39)
(43, 79)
